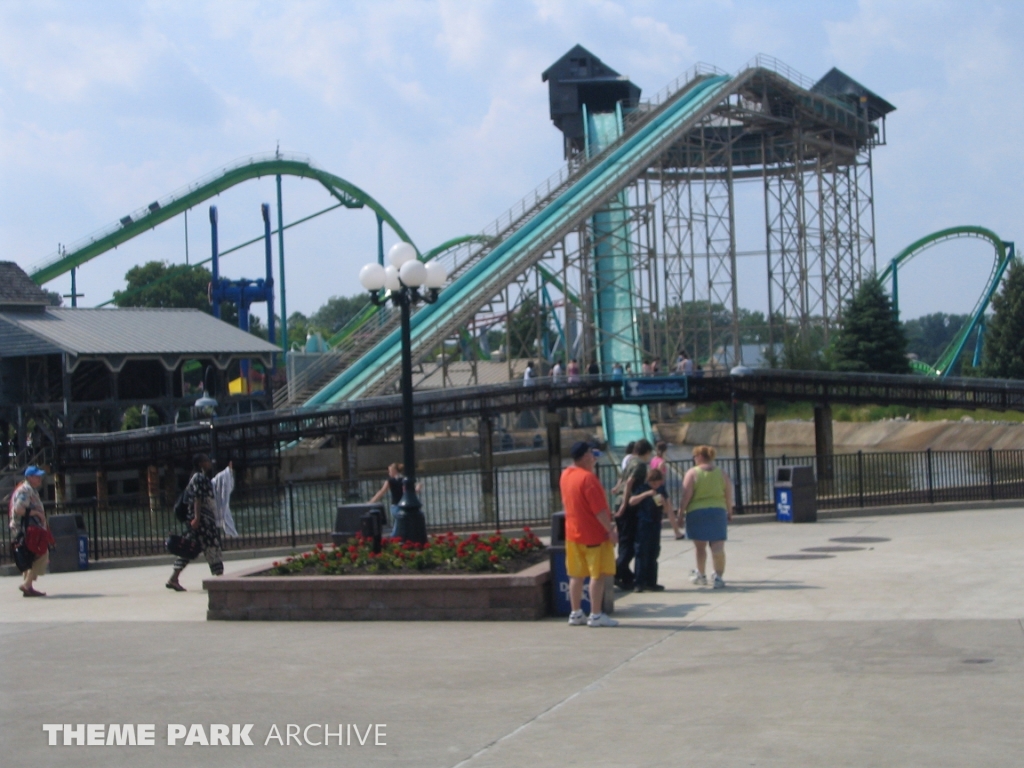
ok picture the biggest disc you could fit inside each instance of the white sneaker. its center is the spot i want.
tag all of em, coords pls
(718, 583)
(601, 620)
(698, 578)
(577, 619)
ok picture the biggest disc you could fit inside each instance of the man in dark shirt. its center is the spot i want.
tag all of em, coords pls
(634, 475)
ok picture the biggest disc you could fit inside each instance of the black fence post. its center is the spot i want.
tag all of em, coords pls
(931, 483)
(860, 477)
(991, 474)
(96, 527)
(497, 503)
(291, 513)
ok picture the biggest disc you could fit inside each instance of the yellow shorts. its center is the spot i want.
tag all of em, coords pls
(582, 561)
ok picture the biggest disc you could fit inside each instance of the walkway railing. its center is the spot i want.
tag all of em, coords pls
(300, 514)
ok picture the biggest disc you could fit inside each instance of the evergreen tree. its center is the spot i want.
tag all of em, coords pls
(1003, 355)
(871, 339)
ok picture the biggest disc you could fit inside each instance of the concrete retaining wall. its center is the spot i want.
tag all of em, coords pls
(850, 437)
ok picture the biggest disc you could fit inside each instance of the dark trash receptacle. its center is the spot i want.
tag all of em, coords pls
(560, 578)
(796, 499)
(71, 547)
(349, 520)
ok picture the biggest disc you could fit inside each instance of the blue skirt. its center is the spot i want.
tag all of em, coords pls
(709, 524)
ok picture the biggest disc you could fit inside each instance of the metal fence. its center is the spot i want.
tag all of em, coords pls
(299, 514)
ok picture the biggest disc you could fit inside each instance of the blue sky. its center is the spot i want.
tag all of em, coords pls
(437, 109)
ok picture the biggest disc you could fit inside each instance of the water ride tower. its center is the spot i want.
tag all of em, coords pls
(807, 145)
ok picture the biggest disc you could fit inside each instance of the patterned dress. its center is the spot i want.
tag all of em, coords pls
(208, 534)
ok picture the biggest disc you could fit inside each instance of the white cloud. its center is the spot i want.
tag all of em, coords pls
(66, 61)
(465, 34)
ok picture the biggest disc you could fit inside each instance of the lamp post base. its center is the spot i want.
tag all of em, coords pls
(410, 524)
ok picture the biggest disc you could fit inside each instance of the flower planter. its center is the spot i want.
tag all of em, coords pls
(253, 596)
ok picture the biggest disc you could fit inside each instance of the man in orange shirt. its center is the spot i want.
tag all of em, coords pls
(590, 536)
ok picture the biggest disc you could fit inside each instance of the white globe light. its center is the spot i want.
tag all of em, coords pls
(413, 273)
(401, 253)
(391, 279)
(436, 274)
(372, 277)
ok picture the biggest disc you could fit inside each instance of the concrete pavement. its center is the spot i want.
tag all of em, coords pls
(905, 650)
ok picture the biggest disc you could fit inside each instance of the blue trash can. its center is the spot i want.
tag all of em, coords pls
(83, 551)
(560, 603)
(783, 504)
(796, 498)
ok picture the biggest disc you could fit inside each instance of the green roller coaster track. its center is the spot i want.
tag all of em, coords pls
(143, 220)
(1004, 253)
(156, 213)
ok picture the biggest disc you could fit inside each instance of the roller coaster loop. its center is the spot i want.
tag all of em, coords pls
(1004, 254)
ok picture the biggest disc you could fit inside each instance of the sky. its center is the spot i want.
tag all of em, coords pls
(438, 111)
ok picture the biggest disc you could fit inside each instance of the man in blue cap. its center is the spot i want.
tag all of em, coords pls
(26, 505)
(590, 536)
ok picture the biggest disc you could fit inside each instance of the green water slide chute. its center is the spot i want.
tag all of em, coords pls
(469, 287)
(370, 309)
(158, 212)
(614, 311)
(1004, 254)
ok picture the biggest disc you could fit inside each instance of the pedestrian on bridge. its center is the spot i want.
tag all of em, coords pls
(708, 501)
(574, 371)
(529, 375)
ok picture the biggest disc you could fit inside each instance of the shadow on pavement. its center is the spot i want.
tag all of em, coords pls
(77, 597)
(764, 586)
(657, 610)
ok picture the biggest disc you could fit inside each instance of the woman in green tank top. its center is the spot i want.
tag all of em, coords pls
(707, 499)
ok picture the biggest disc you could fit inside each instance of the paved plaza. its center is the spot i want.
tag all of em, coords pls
(906, 649)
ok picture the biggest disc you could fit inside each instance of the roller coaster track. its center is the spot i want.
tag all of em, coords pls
(1004, 254)
(159, 211)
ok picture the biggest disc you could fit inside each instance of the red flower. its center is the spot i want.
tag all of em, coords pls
(493, 558)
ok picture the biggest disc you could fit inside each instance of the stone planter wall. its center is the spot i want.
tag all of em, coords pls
(473, 597)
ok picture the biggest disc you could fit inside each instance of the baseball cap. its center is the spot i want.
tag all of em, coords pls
(34, 471)
(580, 448)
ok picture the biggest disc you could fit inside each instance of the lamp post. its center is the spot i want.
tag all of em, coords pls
(403, 278)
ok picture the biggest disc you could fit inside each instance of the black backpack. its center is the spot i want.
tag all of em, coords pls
(181, 508)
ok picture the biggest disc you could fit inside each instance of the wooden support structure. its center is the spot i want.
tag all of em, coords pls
(102, 492)
(153, 487)
(823, 446)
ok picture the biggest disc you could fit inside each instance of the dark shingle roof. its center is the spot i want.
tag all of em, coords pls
(127, 331)
(17, 288)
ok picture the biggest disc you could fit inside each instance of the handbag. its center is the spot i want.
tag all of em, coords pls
(38, 539)
(185, 547)
(23, 559)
